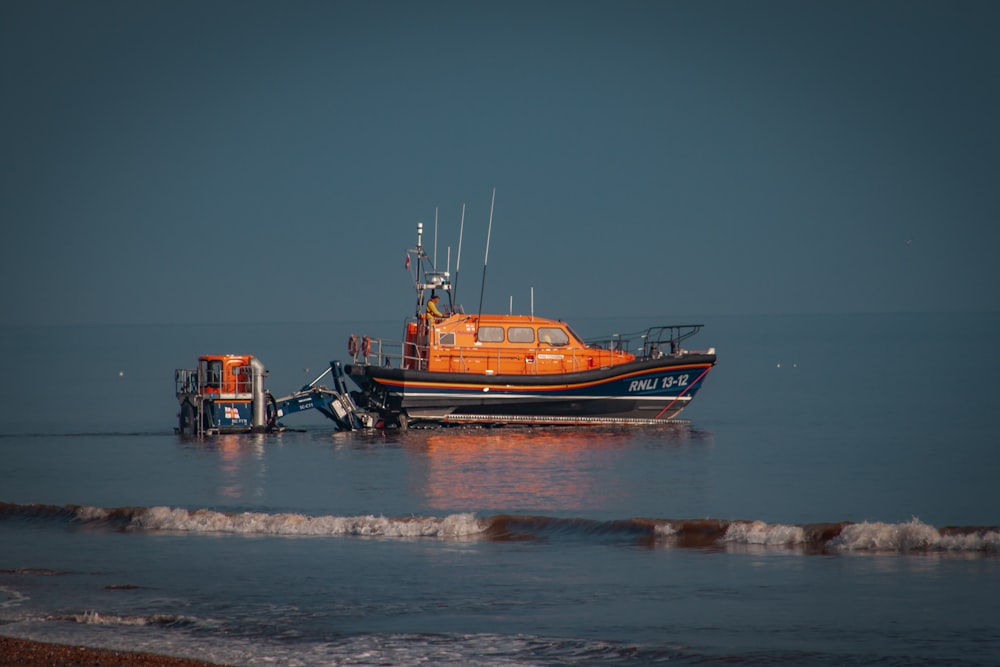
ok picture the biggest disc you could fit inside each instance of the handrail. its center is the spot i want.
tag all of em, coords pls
(186, 381)
(462, 355)
(654, 342)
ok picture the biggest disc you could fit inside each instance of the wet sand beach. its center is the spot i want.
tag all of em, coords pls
(25, 653)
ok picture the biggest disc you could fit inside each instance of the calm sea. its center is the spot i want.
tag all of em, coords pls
(807, 514)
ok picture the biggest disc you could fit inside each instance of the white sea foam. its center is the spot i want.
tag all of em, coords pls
(96, 618)
(88, 513)
(664, 530)
(758, 532)
(913, 535)
(910, 536)
(11, 598)
(258, 523)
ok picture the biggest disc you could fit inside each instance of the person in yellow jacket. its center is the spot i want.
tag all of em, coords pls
(434, 314)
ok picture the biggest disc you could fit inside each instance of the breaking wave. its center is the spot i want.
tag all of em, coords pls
(173, 519)
(95, 618)
(844, 536)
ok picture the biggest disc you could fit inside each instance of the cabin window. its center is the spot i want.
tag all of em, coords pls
(521, 335)
(491, 334)
(446, 338)
(243, 377)
(552, 336)
(213, 374)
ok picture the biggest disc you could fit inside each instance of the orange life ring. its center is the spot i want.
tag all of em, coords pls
(366, 346)
(352, 345)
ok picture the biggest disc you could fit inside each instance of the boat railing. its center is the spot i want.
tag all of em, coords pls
(651, 343)
(383, 352)
(186, 381)
(197, 380)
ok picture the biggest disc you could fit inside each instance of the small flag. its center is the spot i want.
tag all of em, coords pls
(407, 262)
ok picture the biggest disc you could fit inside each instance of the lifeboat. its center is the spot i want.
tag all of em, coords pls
(460, 368)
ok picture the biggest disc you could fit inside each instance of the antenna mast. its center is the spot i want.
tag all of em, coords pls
(419, 252)
(486, 258)
(458, 260)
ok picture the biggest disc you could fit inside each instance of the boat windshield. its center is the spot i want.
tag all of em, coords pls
(552, 336)
(575, 335)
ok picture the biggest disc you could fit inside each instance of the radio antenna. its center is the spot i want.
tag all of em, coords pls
(458, 260)
(486, 258)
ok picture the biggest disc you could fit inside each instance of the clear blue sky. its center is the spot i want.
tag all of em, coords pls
(176, 161)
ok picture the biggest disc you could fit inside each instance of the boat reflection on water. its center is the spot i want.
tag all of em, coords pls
(510, 470)
(524, 469)
(241, 467)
